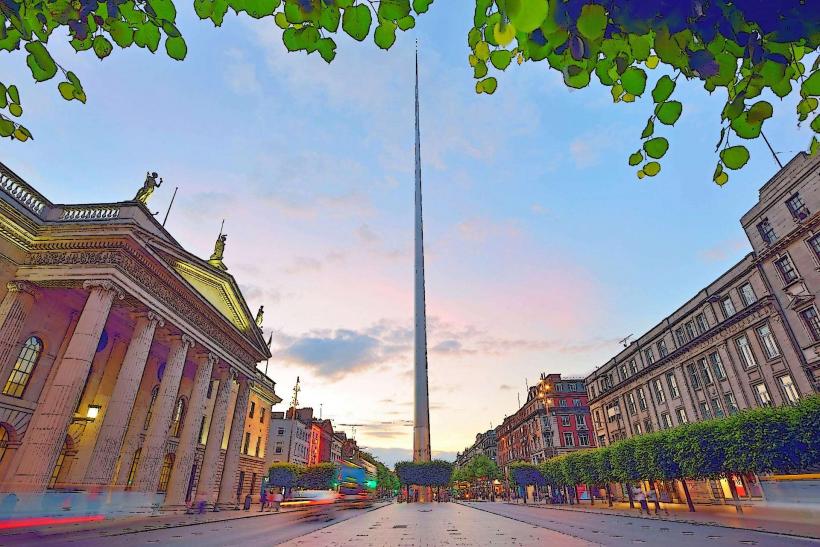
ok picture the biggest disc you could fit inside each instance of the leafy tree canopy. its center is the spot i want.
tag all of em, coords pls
(750, 50)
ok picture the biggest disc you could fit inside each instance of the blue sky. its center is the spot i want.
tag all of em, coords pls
(543, 248)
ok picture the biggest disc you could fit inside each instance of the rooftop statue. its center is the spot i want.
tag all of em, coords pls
(148, 187)
(219, 252)
(260, 315)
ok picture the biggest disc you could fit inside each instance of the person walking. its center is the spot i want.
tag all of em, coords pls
(640, 497)
(263, 500)
(277, 501)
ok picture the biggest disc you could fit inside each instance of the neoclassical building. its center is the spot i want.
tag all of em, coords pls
(126, 362)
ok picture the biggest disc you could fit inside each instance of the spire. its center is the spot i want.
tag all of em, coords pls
(421, 429)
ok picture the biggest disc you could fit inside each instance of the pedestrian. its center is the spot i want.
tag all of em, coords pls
(277, 501)
(640, 497)
(263, 500)
(652, 496)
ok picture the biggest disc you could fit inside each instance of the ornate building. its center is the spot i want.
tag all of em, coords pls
(485, 444)
(126, 362)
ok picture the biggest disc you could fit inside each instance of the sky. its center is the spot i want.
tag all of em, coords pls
(542, 247)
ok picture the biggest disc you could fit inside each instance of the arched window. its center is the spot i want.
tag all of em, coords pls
(4, 441)
(133, 471)
(165, 473)
(21, 373)
(179, 415)
(154, 393)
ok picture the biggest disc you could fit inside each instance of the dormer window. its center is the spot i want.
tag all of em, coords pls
(766, 231)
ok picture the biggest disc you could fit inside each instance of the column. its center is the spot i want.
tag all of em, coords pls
(227, 484)
(210, 461)
(48, 426)
(14, 310)
(153, 447)
(118, 413)
(186, 451)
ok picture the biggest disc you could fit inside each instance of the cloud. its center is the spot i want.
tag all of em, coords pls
(729, 249)
(240, 74)
(482, 229)
(505, 387)
(390, 456)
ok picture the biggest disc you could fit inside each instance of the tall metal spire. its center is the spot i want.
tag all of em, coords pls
(421, 429)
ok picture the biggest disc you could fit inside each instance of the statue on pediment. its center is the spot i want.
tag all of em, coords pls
(219, 252)
(148, 187)
(260, 315)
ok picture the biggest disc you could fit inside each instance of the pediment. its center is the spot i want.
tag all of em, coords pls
(800, 300)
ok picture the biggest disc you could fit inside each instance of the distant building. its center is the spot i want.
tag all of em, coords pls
(289, 436)
(485, 444)
(555, 420)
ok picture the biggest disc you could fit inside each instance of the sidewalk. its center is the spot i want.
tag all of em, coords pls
(790, 521)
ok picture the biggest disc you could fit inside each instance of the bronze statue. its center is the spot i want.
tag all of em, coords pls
(148, 187)
(259, 315)
(219, 252)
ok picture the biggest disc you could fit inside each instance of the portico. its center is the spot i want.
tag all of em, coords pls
(113, 341)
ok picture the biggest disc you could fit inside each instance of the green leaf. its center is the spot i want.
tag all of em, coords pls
(734, 108)
(669, 112)
(176, 47)
(327, 49)
(40, 62)
(734, 157)
(421, 6)
(649, 129)
(663, 89)
(814, 146)
(102, 47)
(122, 34)
(634, 80)
(164, 9)
(815, 124)
(385, 34)
(21, 134)
(6, 127)
(473, 37)
(652, 168)
(811, 87)
(526, 15)
(592, 22)
(263, 8)
(147, 36)
(14, 95)
(482, 51)
(281, 20)
(501, 58)
(356, 21)
(635, 159)
(806, 107)
(406, 23)
(720, 177)
(760, 111)
(487, 86)
(16, 110)
(393, 10)
(745, 129)
(66, 90)
(656, 148)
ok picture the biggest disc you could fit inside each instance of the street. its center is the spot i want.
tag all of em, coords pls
(415, 525)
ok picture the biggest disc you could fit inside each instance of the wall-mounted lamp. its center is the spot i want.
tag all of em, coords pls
(93, 412)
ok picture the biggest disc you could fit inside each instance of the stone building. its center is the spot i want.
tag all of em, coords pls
(255, 457)
(555, 420)
(750, 338)
(485, 444)
(126, 362)
(290, 435)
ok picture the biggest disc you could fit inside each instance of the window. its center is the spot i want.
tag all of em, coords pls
(246, 445)
(280, 431)
(154, 393)
(641, 399)
(165, 473)
(568, 440)
(650, 356)
(681, 415)
(746, 353)
(258, 441)
(728, 307)
(797, 207)
(133, 471)
(201, 431)
(717, 408)
(660, 396)
(622, 371)
(630, 403)
(705, 373)
(579, 421)
(647, 424)
(703, 325)
(576, 402)
(583, 439)
(565, 421)
(638, 429)
(747, 294)
(253, 409)
(812, 322)
(633, 368)
(662, 351)
(693, 376)
(764, 333)
(717, 366)
(672, 382)
(179, 414)
(731, 404)
(278, 448)
(666, 421)
(766, 231)
(261, 415)
(597, 422)
(762, 395)
(601, 440)
(789, 389)
(814, 243)
(704, 410)
(679, 337)
(691, 334)
(23, 367)
(562, 402)
(786, 268)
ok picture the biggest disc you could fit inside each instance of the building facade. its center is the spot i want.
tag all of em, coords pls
(555, 420)
(255, 457)
(126, 361)
(485, 444)
(290, 436)
(750, 338)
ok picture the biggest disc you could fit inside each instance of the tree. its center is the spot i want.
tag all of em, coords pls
(284, 474)
(741, 48)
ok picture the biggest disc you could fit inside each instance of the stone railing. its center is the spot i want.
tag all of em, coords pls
(21, 192)
(89, 212)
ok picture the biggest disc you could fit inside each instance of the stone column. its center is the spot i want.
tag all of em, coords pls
(153, 447)
(227, 484)
(48, 426)
(186, 451)
(14, 310)
(210, 461)
(115, 421)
